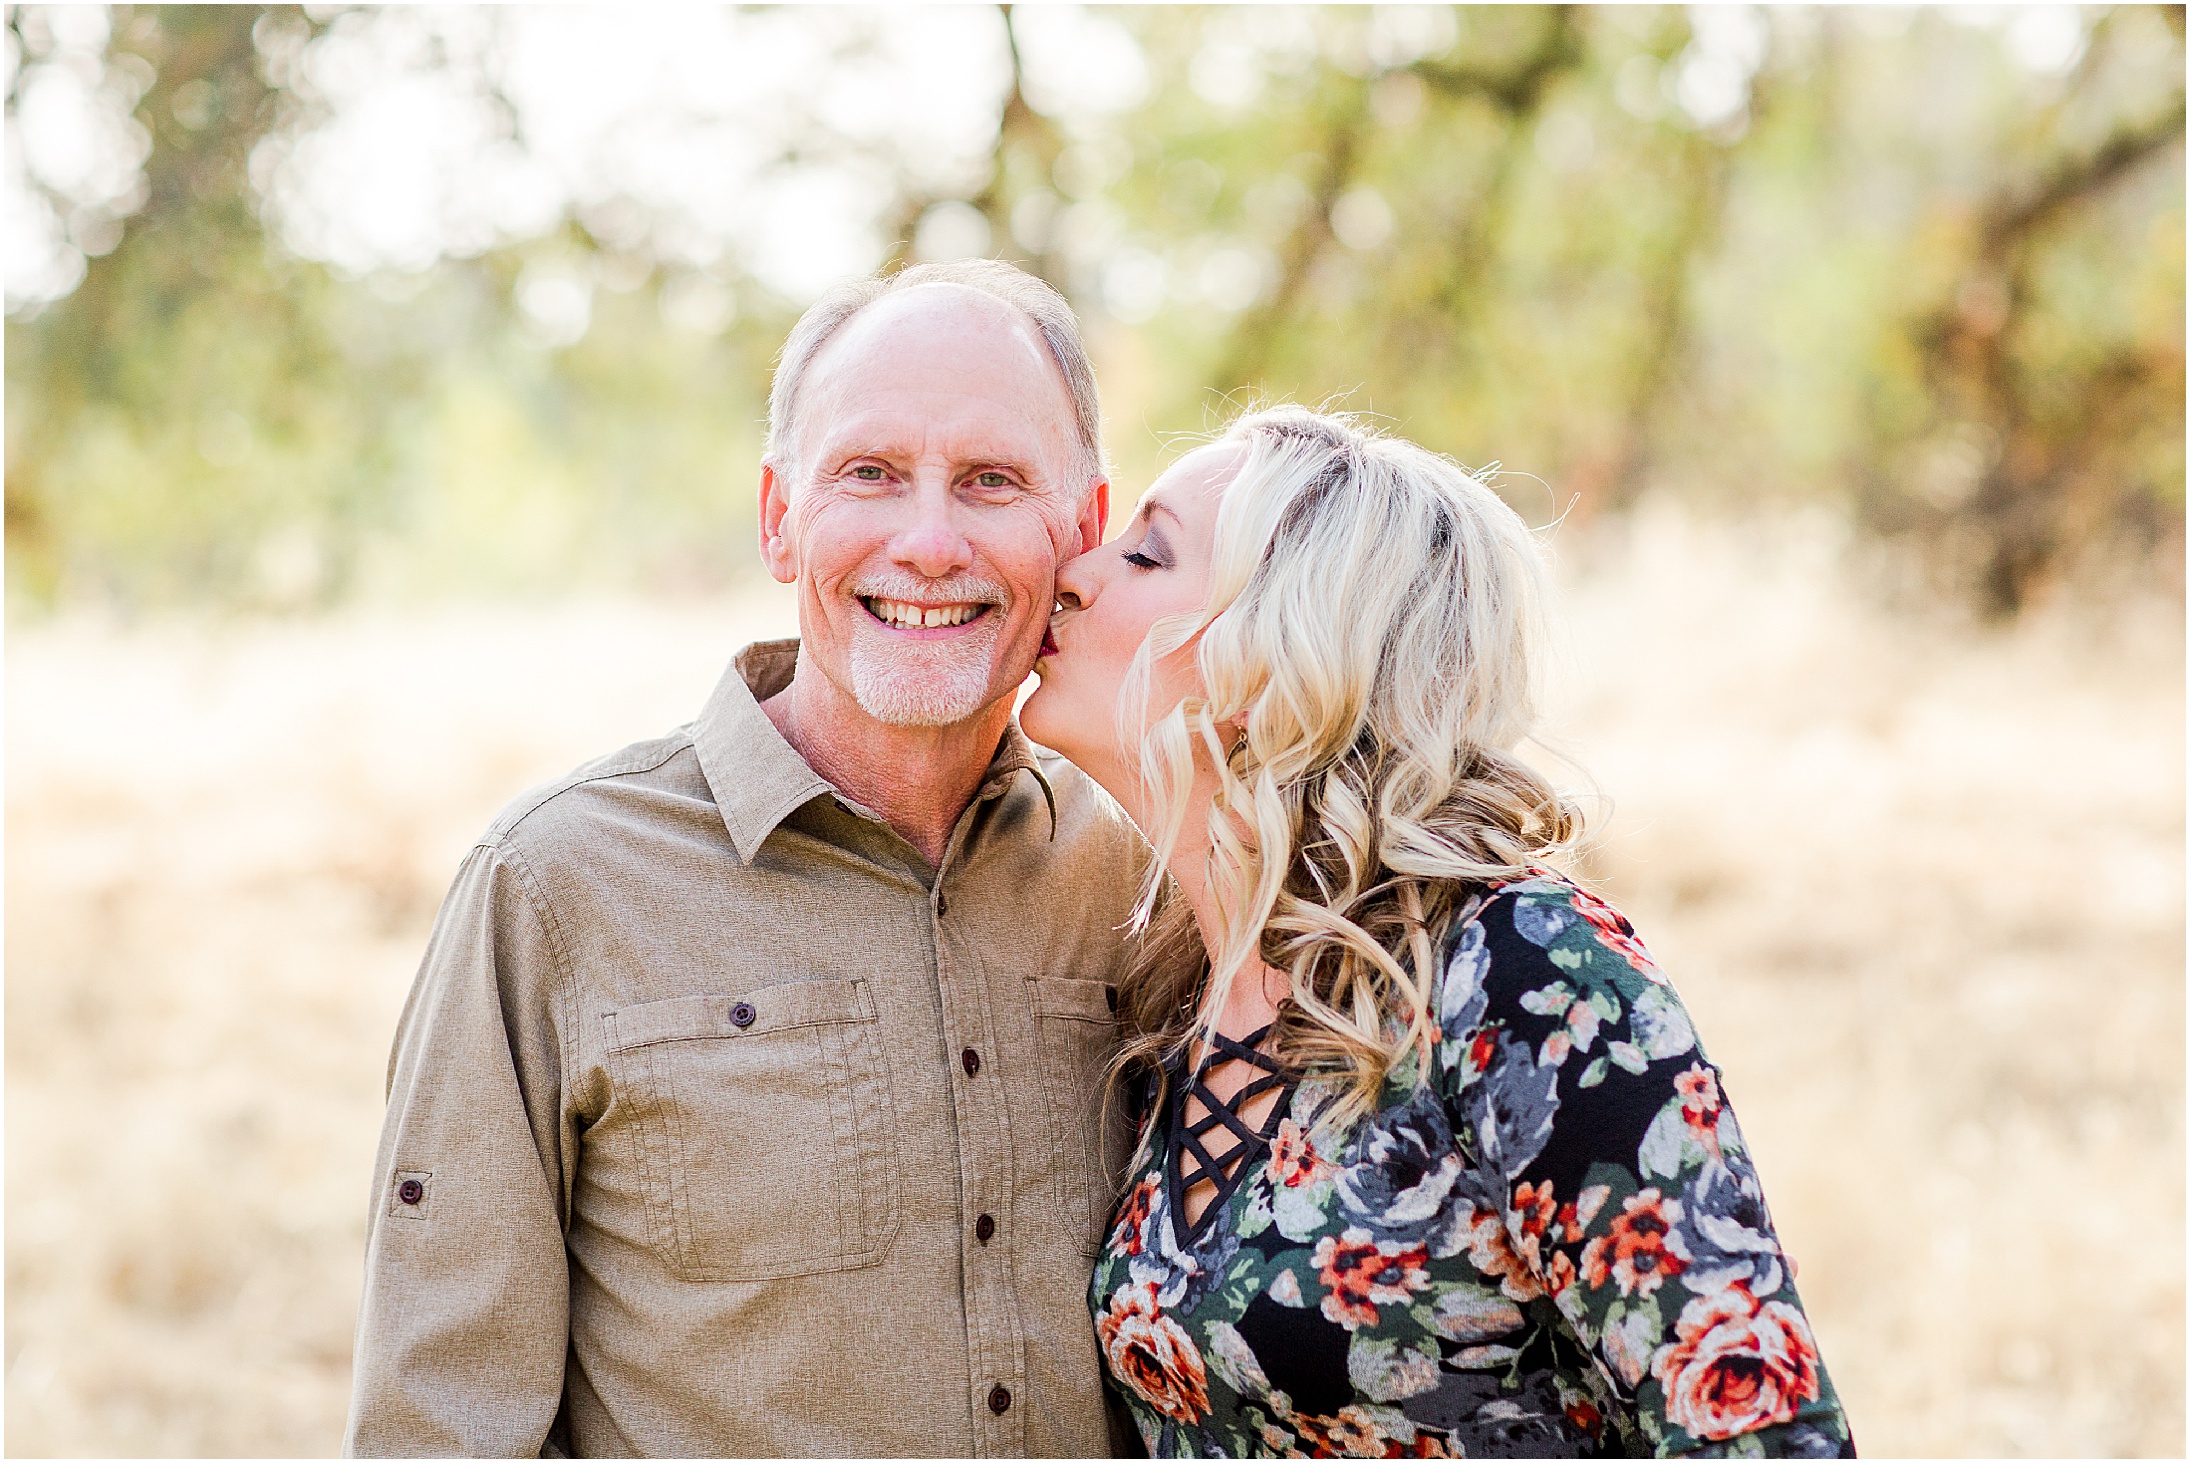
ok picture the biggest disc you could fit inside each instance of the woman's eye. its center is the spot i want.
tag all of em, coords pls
(1140, 560)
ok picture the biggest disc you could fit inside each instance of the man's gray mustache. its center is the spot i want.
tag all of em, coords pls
(909, 590)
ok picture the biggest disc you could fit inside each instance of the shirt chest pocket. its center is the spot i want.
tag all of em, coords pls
(763, 1124)
(1077, 1030)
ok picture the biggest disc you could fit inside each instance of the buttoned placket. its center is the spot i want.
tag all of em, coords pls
(995, 1341)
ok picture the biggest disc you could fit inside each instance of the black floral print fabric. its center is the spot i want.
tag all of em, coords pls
(1556, 1247)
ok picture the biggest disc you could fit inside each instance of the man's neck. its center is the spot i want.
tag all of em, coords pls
(919, 779)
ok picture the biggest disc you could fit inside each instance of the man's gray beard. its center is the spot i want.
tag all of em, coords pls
(897, 690)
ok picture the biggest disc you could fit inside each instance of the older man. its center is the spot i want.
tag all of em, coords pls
(747, 1101)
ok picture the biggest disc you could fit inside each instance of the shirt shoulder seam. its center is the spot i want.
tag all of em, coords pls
(505, 826)
(562, 995)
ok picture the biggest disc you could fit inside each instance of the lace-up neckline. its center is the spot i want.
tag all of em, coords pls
(1225, 1170)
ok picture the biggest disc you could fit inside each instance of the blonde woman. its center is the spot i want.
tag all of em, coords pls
(1432, 1162)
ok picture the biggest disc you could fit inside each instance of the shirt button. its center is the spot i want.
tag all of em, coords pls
(999, 1400)
(942, 905)
(984, 1228)
(971, 1061)
(410, 1191)
(742, 1015)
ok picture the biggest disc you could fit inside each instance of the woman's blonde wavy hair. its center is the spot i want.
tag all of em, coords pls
(1367, 661)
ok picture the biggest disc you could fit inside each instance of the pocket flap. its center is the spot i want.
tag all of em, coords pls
(1082, 1000)
(773, 1008)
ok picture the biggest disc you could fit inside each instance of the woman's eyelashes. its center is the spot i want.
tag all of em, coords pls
(1149, 553)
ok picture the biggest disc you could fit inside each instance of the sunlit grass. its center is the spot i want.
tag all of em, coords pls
(1922, 885)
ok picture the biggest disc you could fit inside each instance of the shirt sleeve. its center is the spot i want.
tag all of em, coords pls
(464, 1321)
(1579, 1089)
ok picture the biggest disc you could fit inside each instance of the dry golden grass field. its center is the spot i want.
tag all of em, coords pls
(1922, 884)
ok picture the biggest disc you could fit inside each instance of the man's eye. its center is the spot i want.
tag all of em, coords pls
(867, 472)
(992, 480)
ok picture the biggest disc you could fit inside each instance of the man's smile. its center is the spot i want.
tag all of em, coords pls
(905, 616)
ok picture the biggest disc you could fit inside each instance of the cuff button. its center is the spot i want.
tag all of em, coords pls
(410, 1191)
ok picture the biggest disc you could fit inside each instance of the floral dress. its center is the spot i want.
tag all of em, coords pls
(1556, 1247)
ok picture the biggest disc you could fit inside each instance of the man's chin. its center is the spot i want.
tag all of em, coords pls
(898, 695)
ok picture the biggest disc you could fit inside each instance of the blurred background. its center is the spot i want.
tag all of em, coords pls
(384, 396)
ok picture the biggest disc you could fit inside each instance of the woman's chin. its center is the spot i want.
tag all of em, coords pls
(1033, 717)
(1037, 720)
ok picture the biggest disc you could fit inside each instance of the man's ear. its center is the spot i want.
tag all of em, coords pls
(775, 502)
(1094, 517)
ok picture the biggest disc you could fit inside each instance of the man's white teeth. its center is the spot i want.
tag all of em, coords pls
(916, 617)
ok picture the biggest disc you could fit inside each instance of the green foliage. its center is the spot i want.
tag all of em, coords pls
(1902, 272)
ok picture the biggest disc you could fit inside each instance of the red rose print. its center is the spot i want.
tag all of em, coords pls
(1481, 1050)
(1613, 931)
(1351, 1434)
(1491, 1251)
(1586, 1418)
(1576, 1217)
(1152, 1354)
(1643, 1250)
(1534, 1209)
(1293, 1159)
(1360, 1273)
(1737, 1364)
(1426, 1443)
(1699, 1091)
(1534, 1212)
(1125, 1230)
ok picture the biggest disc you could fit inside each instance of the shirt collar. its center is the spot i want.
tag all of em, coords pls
(758, 779)
(1016, 754)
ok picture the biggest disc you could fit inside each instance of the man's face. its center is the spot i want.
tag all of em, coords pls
(938, 484)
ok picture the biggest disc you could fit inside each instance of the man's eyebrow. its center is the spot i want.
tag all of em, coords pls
(850, 445)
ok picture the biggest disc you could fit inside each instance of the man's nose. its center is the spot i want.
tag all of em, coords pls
(932, 544)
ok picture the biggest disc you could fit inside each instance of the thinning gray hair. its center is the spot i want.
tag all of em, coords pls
(1042, 305)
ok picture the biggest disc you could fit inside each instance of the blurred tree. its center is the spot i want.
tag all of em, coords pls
(2047, 428)
(209, 418)
(189, 349)
(1926, 267)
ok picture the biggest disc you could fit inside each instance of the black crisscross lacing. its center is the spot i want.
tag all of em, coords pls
(1222, 1171)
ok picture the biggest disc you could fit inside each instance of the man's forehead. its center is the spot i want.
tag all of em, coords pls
(943, 350)
(915, 425)
(940, 307)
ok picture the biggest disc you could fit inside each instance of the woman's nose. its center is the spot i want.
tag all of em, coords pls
(1075, 584)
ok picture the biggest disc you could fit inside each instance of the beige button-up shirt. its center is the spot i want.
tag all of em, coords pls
(718, 1123)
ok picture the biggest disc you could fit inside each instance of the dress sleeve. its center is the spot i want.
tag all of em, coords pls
(1586, 1106)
